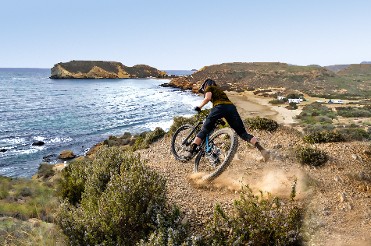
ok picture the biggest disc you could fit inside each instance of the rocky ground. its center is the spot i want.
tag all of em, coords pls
(337, 196)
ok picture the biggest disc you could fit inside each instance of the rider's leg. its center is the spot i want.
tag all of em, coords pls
(206, 128)
(234, 120)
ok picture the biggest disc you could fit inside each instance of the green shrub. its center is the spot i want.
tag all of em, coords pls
(155, 135)
(143, 140)
(258, 123)
(121, 202)
(292, 106)
(4, 187)
(37, 199)
(324, 137)
(314, 128)
(364, 111)
(72, 182)
(45, 171)
(355, 134)
(169, 231)
(276, 101)
(311, 114)
(18, 232)
(256, 221)
(180, 120)
(311, 156)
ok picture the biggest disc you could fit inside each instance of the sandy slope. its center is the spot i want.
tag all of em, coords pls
(337, 196)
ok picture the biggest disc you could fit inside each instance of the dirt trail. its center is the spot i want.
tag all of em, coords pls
(337, 198)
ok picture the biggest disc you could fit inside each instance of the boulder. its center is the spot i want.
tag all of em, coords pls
(50, 158)
(66, 155)
(38, 143)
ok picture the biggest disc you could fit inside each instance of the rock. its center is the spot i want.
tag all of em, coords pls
(50, 158)
(278, 146)
(38, 143)
(343, 197)
(337, 178)
(66, 155)
(3, 150)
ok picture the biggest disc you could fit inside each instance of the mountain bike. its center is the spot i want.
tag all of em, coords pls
(214, 154)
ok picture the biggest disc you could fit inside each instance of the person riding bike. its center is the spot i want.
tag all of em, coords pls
(222, 108)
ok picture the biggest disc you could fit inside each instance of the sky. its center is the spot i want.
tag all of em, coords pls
(189, 34)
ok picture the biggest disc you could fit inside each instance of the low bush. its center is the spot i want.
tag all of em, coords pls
(292, 106)
(276, 101)
(4, 187)
(169, 231)
(122, 201)
(72, 183)
(324, 137)
(313, 128)
(315, 113)
(311, 156)
(33, 232)
(364, 111)
(180, 120)
(256, 221)
(25, 199)
(45, 171)
(143, 140)
(258, 123)
(355, 134)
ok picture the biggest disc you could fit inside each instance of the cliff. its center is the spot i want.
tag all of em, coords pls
(102, 70)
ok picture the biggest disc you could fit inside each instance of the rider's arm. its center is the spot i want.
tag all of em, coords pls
(207, 99)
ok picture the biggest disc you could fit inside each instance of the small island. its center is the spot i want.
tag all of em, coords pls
(103, 70)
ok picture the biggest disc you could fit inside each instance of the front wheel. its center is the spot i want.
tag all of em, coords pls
(181, 141)
(223, 146)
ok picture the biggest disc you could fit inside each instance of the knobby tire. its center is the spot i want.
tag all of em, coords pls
(200, 159)
(180, 134)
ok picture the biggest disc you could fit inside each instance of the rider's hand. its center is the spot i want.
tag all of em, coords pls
(198, 109)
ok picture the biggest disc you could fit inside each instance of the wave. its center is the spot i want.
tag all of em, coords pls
(13, 141)
(165, 125)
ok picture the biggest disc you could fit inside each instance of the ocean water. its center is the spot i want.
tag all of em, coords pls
(76, 114)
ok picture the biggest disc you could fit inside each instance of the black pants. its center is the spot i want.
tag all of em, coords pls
(229, 112)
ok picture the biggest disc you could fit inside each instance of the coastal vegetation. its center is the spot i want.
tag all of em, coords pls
(91, 211)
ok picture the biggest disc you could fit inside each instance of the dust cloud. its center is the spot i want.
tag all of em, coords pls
(273, 181)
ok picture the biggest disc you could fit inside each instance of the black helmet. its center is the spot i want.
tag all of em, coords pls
(208, 82)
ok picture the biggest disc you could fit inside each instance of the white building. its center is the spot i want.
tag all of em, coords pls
(295, 100)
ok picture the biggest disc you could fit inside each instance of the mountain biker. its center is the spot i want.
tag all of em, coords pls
(222, 108)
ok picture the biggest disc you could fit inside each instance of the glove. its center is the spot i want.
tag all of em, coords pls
(198, 109)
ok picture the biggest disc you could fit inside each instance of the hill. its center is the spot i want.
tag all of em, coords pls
(102, 70)
(313, 80)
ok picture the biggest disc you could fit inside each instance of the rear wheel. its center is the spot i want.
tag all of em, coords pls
(181, 141)
(224, 143)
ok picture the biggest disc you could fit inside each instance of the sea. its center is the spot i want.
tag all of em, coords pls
(76, 114)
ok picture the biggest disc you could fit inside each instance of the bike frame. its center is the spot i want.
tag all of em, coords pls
(207, 146)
